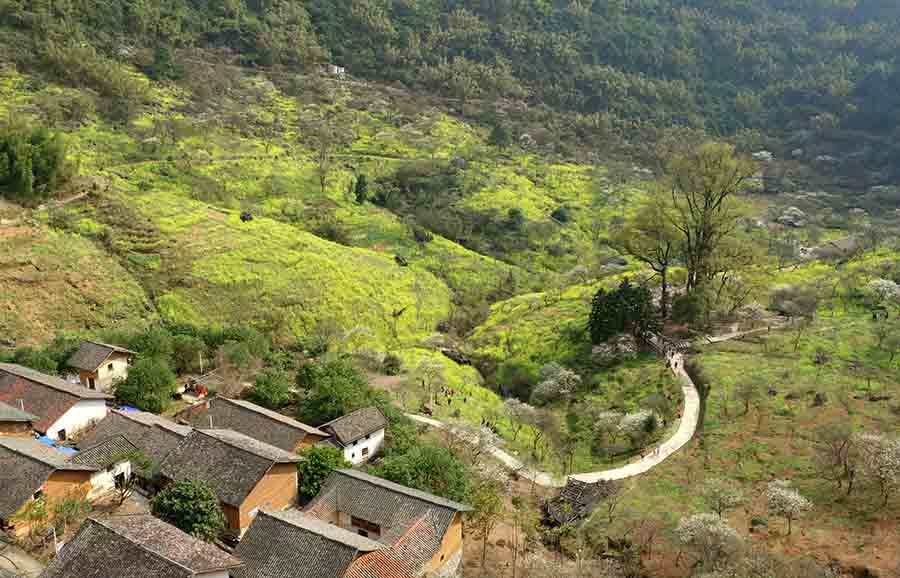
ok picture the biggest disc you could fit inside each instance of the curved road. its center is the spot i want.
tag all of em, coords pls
(683, 434)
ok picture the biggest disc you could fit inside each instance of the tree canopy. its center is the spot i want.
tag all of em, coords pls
(627, 309)
(191, 506)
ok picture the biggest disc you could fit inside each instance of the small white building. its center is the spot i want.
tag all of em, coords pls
(110, 460)
(62, 409)
(101, 365)
(359, 434)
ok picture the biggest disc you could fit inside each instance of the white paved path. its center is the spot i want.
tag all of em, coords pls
(686, 426)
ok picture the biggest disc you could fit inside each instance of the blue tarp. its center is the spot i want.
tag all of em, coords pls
(127, 409)
(49, 442)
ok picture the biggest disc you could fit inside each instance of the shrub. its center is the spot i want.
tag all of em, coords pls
(392, 365)
(191, 506)
(317, 465)
(428, 468)
(517, 378)
(271, 390)
(561, 214)
(32, 163)
(149, 386)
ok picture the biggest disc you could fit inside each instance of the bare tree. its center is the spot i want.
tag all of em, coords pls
(326, 134)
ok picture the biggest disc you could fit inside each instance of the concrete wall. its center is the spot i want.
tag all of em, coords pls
(106, 376)
(104, 482)
(81, 416)
(354, 453)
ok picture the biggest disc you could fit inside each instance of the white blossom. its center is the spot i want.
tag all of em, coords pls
(883, 291)
(557, 383)
(709, 537)
(635, 423)
(880, 461)
(785, 501)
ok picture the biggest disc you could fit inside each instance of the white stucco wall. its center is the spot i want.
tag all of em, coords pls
(106, 377)
(79, 416)
(105, 481)
(354, 453)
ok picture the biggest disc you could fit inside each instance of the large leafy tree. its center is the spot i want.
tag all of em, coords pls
(332, 389)
(704, 186)
(428, 468)
(149, 386)
(317, 465)
(32, 163)
(627, 309)
(191, 506)
(650, 237)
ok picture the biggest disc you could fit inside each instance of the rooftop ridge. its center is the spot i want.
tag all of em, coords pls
(317, 527)
(52, 382)
(410, 492)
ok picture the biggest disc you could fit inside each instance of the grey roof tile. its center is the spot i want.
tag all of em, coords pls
(232, 463)
(252, 420)
(92, 354)
(135, 547)
(153, 435)
(9, 413)
(284, 546)
(357, 424)
(105, 453)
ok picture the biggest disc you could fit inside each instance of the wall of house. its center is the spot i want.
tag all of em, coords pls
(276, 491)
(15, 429)
(104, 377)
(354, 453)
(82, 415)
(60, 484)
(232, 517)
(308, 441)
(104, 482)
(450, 552)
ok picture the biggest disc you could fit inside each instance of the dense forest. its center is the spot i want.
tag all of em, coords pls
(818, 75)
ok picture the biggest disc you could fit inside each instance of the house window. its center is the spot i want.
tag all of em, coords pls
(61, 434)
(363, 533)
(353, 444)
(365, 452)
(352, 455)
(364, 526)
(38, 495)
(109, 367)
(91, 383)
(367, 436)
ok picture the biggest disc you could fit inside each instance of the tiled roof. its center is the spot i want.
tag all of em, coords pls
(577, 500)
(351, 427)
(409, 554)
(104, 454)
(395, 508)
(291, 545)
(9, 413)
(136, 547)
(153, 435)
(171, 543)
(257, 422)
(232, 463)
(92, 354)
(25, 464)
(45, 396)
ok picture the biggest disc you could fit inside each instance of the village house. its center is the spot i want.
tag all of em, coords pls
(62, 409)
(252, 420)
(101, 365)
(313, 547)
(14, 422)
(358, 526)
(30, 471)
(359, 434)
(110, 460)
(153, 435)
(138, 546)
(246, 474)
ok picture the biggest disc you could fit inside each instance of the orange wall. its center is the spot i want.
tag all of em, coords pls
(276, 491)
(308, 441)
(15, 429)
(60, 484)
(451, 544)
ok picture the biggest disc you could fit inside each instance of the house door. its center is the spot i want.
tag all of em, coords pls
(91, 383)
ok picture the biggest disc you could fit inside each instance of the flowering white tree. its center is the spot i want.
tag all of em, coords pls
(880, 462)
(517, 414)
(556, 383)
(721, 495)
(786, 502)
(709, 538)
(883, 292)
(638, 424)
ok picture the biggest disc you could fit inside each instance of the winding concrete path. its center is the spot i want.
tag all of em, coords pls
(687, 424)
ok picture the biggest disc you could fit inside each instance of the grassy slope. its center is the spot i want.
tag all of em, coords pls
(52, 281)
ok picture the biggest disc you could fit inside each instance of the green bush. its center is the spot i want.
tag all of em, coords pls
(333, 389)
(317, 465)
(191, 506)
(271, 390)
(32, 163)
(150, 386)
(428, 468)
